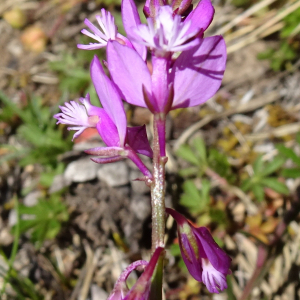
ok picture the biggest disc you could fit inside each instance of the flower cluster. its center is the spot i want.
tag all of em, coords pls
(186, 70)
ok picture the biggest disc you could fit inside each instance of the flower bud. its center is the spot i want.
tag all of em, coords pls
(141, 289)
(205, 260)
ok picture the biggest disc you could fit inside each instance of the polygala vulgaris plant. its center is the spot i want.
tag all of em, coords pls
(187, 70)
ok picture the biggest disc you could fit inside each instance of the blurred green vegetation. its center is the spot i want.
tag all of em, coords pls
(289, 44)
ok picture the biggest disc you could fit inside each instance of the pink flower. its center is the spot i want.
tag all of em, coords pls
(110, 121)
(205, 260)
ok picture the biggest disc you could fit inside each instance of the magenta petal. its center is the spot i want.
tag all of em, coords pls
(108, 130)
(109, 98)
(104, 151)
(180, 6)
(189, 257)
(129, 72)
(131, 20)
(106, 160)
(218, 258)
(198, 72)
(137, 139)
(201, 16)
(141, 289)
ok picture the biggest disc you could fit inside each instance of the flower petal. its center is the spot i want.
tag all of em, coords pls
(104, 151)
(201, 16)
(131, 20)
(110, 98)
(108, 130)
(198, 72)
(218, 258)
(129, 72)
(137, 139)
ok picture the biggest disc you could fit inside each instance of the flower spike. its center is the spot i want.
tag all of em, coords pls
(205, 260)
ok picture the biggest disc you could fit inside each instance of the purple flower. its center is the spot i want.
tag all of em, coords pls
(194, 77)
(110, 122)
(205, 260)
(109, 31)
(200, 18)
(166, 33)
(141, 289)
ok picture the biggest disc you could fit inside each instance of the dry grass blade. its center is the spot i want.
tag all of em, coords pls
(252, 10)
(276, 132)
(265, 29)
(243, 108)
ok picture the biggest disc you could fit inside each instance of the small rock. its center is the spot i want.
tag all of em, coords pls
(81, 170)
(32, 198)
(98, 293)
(12, 217)
(114, 174)
(59, 182)
(138, 187)
(141, 207)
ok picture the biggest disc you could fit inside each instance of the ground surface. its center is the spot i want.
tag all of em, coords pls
(102, 219)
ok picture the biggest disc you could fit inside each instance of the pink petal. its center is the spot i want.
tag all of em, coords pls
(104, 151)
(131, 20)
(201, 16)
(218, 258)
(198, 72)
(129, 72)
(109, 98)
(138, 141)
(108, 131)
(107, 160)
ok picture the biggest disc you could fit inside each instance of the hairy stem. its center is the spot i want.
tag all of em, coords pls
(158, 204)
(158, 190)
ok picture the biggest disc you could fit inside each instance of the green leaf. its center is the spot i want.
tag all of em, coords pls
(187, 154)
(188, 172)
(192, 198)
(199, 145)
(275, 185)
(258, 165)
(258, 192)
(246, 184)
(291, 173)
(289, 153)
(273, 166)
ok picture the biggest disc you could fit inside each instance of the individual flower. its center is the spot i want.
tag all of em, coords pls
(194, 77)
(205, 260)
(200, 18)
(110, 122)
(109, 31)
(166, 33)
(141, 289)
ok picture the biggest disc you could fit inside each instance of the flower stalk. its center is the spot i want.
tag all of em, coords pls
(158, 188)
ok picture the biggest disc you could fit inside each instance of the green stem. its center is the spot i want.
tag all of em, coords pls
(158, 191)
(158, 208)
